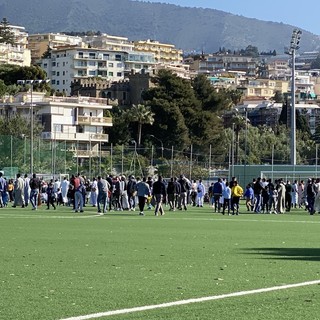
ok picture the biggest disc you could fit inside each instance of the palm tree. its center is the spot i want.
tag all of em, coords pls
(142, 115)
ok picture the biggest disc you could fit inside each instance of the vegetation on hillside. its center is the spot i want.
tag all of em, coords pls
(192, 29)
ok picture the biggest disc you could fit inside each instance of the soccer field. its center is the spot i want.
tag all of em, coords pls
(60, 265)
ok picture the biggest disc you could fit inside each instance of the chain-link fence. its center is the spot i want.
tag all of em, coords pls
(62, 157)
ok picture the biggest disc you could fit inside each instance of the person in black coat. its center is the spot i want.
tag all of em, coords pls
(159, 193)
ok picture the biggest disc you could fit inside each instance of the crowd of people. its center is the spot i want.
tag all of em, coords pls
(119, 193)
(265, 196)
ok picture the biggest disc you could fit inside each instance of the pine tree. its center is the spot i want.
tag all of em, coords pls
(6, 35)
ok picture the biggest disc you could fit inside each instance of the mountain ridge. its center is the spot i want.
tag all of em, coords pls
(188, 28)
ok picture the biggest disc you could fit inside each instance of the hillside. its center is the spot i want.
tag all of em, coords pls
(187, 28)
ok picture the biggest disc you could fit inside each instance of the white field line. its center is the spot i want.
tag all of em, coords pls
(189, 301)
(9, 216)
(151, 217)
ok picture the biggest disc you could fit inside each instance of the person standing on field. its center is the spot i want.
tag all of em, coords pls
(184, 189)
(159, 193)
(27, 189)
(226, 193)
(281, 204)
(3, 188)
(51, 195)
(35, 189)
(217, 194)
(143, 191)
(18, 192)
(236, 194)
(200, 193)
(103, 188)
(64, 190)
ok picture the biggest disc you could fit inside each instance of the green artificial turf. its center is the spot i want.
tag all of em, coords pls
(59, 264)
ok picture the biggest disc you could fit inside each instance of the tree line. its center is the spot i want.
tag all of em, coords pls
(182, 113)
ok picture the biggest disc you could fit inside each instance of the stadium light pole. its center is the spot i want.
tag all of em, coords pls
(294, 45)
(246, 146)
(31, 82)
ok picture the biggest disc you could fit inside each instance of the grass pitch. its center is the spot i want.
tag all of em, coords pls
(60, 264)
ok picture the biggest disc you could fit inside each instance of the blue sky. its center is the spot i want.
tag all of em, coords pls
(302, 15)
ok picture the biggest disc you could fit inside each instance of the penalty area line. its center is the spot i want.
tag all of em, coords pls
(189, 301)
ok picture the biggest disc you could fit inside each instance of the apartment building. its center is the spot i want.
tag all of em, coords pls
(305, 85)
(164, 53)
(264, 88)
(279, 69)
(109, 42)
(213, 63)
(38, 43)
(17, 54)
(78, 121)
(68, 64)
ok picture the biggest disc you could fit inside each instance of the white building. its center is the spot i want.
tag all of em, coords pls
(17, 54)
(78, 121)
(108, 42)
(69, 64)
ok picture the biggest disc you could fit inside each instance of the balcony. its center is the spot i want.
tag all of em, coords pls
(92, 153)
(95, 121)
(80, 137)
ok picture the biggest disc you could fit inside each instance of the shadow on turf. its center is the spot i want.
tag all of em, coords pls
(308, 254)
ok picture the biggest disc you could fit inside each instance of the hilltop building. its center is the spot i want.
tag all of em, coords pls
(68, 64)
(163, 53)
(38, 44)
(212, 63)
(17, 54)
(108, 42)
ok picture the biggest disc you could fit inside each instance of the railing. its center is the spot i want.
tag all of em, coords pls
(83, 100)
(61, 136)
(86, 120)
(92, 153)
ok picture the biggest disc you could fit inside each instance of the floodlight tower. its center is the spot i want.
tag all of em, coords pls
(294, 45)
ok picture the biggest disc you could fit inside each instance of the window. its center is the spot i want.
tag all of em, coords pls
(63, 81)
(92, 55)
(119, 74)
(57, 127)
(53, 64)
(45, 65)
(110, 65)
(119, 65)
(92, 72)
(53, 81)
(58, 82)
(105, 56)
(80, 54)
(118, 57)
(63, 73)
(110, 74)
(58, 73)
